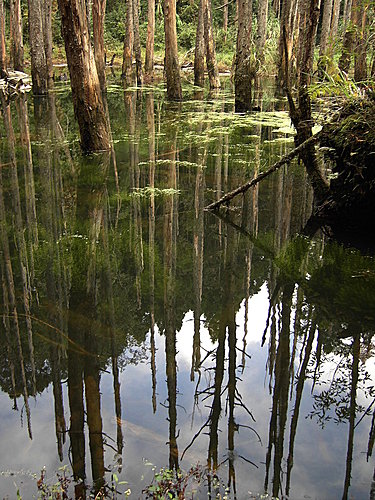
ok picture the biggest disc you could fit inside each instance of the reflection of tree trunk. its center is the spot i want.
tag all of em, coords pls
(352, 411)
(151, 236)
(11, 299)
(20, 236)
(280, 394)
(170, 228)
(198, 261)
(299, 392)
(31, 219)
(232, 426)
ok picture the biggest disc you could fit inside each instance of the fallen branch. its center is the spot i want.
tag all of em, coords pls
(285, 159)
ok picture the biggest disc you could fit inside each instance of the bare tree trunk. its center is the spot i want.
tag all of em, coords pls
(149, 62)
(334, 27)
(325, 32)
(47, 31)
(87, 98)
(127, 57)
(3, 60)
(360, 63)
(212, 70)
(137, 43)
(243, 72)
(262, 29)
(16, 38)
(172, 66)
(39, 71)
(199, 48)
(349, 38)
(98, 17)
(225, 20)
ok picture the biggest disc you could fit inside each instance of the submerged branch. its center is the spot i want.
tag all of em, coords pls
(285, 159)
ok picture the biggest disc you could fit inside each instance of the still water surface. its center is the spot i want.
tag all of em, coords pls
(139, 331)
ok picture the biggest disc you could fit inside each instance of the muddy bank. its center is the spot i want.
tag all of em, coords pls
(349, 149)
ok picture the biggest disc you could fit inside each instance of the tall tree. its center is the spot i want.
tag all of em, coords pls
(16, 38)
(199, 48)
(349, 37)
(47, 31)
(172, 66)
(128, 44)
(262, 29)
(3, 60)
(137, 43)
(324, 35)
(149, 61)
(243, 71)
(39, 71)
(87, 98)
(98, 17)
(212, 70)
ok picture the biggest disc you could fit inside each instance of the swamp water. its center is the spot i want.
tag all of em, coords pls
(140, 332)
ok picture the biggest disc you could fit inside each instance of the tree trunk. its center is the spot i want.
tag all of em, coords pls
(213, 72)
(3, 60)
(225, 20)
(349, 38)
(360, 63)
(16, 38)
(149, 62)
(137, 43)
(98, 16)
(334, 27)
(47, 31)
(325, 32)
(87, 99)
(262, 29)
(199, 48)
(39, 73)
(243, 72)
(128, 45)
(172, 67)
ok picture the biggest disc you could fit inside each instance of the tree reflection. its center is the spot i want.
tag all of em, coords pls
(87, 280)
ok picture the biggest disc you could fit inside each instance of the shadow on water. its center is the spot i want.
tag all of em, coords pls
(155, 334)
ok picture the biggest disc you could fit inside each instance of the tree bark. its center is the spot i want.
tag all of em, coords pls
(137, 43)
(87, 99)
(349, 38)
(360, 64)
(213, 72)
(199, 48)
(325, 32)
(243, 72)
(262, 29)
(39, 72)
(334, 27)
(98, 17)
(149, 62)
(16, 38)
(3, 60)
(172, 67)
(47, 31)
(128, 45)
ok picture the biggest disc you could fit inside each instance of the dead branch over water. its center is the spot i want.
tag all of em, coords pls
(284, 160)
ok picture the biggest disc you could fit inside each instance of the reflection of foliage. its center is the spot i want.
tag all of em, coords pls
(333, 403)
